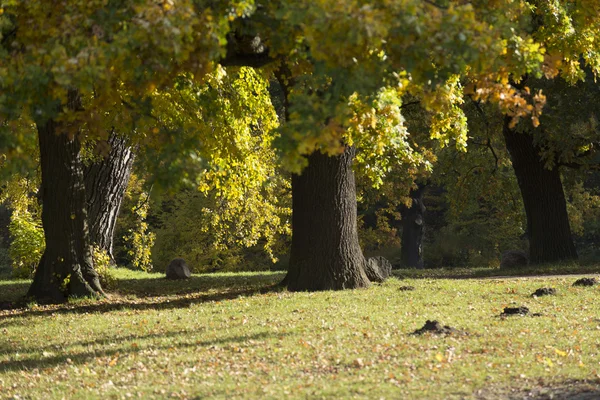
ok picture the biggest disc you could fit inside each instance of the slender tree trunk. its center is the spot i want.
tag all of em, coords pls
(105, 183)
(66, 267)
(550, 238)
(5, 215)
(411, 253)
(325, 251)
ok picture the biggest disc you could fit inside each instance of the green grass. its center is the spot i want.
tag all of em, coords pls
(230, 336)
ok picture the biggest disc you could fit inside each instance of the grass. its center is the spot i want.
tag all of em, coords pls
(230, 336)
(566, 268)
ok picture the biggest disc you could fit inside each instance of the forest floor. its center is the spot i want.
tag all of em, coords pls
(236, 336)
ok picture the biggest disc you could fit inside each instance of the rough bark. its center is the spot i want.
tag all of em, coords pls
(413, 218)
(550, 238)
(325, 252)
(105, 183)
(66, 267)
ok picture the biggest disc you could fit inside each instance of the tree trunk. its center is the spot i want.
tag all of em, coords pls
(548, 226)
(105, 183)
(5, 215)
(66, 267)
(411, 253)
(325, 252)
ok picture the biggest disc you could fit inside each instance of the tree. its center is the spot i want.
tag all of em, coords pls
(413, 219)
(565, 138)
(76, 76)
(105, 179)
(325, 252)
(348, 72)
(66, 265)
(538, 152)
(548, 229)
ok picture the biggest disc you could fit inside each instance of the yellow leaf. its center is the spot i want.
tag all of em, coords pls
(439, 357)
(560, 352)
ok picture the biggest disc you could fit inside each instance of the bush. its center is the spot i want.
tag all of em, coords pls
(133, 237)
(102, 265)
(27, 244)
(186, 231)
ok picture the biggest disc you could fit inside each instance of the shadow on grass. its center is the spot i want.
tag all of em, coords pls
(488, 272)
(146, 303)
(83, 357)
(159, 286)
(571, 389)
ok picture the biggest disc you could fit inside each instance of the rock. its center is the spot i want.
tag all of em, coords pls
(544, 292)
(378, 269)
(178, 269)
(586, 282)
(515, 311)
(406, 288)
(437, 328)
(513, 259)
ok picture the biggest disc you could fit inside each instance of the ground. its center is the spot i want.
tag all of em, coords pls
(236, 336)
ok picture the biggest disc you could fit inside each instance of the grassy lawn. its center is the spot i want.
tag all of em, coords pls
(231, 336)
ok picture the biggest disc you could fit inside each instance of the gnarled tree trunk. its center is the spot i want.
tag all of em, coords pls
(411, 253)
(550, 238)
(66, 267)
(325, 251)
(105, 183)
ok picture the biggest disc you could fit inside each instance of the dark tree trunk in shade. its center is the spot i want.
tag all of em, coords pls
(66, 267)
(413, 218)
(325, 252)
(550, 238)
(5, 215)
(105, 183)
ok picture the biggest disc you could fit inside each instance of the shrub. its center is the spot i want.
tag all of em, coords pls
(102, 265)
(27, 244)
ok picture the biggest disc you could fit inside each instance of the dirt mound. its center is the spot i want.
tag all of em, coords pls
(515, 311)
(437, 328)
(406, 288)
(545, 291)
(586, 282)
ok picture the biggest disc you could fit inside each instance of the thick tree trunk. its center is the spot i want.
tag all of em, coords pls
(411, 253)
(325, 251)
(66, 268)
(105, 183)
(550, 238)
